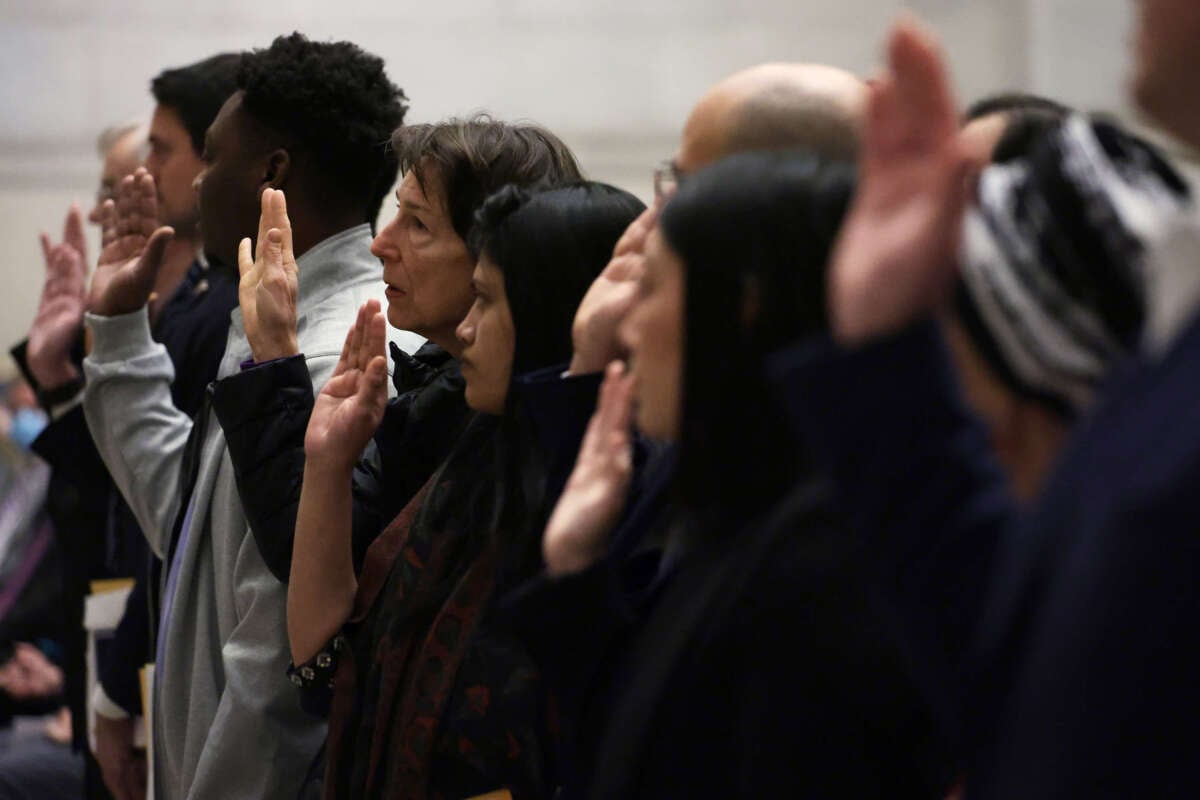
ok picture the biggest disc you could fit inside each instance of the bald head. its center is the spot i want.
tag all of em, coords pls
(776, 107)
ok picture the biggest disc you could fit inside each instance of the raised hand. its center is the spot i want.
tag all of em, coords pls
(133, 248)
(608, 300)
(350, 406)
(594, 497)
(895, 258)
(267, 290)
(60, 309)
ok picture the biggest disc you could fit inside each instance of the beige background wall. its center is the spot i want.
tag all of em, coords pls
(614, 77)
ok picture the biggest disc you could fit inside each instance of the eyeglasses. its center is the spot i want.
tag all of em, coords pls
(666, 181)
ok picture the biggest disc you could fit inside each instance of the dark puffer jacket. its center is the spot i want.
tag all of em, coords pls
(264, 411)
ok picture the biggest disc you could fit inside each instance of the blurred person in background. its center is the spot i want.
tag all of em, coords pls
(36, 757)
(191, 319)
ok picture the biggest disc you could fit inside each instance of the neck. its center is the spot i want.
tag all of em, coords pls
(448, 341)
(310, 228)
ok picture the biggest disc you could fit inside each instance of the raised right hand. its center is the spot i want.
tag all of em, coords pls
(268, 287)
(594, 497)
(896, 256)
(60, 309)
(608, 300)
(134, 246)
(350, 406)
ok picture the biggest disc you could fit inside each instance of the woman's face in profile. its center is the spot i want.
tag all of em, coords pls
(426, 264)
(488, 340)
(653, 335)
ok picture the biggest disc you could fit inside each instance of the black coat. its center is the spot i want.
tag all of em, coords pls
(264, 412)
(763, 665)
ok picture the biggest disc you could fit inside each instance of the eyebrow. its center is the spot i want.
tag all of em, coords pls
(409, 204)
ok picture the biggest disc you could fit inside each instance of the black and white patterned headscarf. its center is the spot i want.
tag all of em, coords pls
(1054, 258)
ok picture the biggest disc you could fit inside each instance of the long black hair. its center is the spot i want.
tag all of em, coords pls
(754, 233)
(549, 246)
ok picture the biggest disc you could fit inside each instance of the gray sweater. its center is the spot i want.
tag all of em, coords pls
(227, 722)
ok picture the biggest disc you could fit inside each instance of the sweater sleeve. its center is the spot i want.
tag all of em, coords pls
(137, 429)
(258, 721)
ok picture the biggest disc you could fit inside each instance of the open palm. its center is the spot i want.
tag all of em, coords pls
(895, 257)
(350, 406)
(595, 495)
(269, 284)
(60, 309)
(133, 248)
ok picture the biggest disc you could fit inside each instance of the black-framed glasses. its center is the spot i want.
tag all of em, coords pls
(666, 181)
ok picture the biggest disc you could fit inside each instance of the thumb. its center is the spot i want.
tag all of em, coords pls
(152, 257)
(245, 257)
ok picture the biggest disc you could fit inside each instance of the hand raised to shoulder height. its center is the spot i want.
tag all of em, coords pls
(896, 256)
(608, 300)
(59, 316)
(594, 497)
(350, 407)
(268, 289)
(133, 248)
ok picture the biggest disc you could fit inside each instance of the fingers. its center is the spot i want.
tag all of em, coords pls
(923, 87)
(128, 223)
(146, 200)
(46, 248)
(356, 340)
(280, 220)
(152, 257)
(622, 401)
(374, 334)
(66, 271)
(883, 132)
(346, 360)
(374, 383)
(108, 223)
(272, 255)
(245, 259)
(264, 222)
(73, 231)
(634, 237)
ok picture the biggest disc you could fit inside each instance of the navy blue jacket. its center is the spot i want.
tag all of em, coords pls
(1078, 616)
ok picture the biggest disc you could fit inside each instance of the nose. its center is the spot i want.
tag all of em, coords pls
(383, 246)
(465, 332)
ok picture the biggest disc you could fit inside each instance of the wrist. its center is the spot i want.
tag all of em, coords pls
(271, 351)
(567, 558)
(52, 376)
(325, 466)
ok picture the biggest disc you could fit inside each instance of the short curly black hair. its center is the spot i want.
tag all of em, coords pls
(197, 92)
(335, 101)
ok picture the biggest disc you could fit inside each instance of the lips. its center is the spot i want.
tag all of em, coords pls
(392, 292)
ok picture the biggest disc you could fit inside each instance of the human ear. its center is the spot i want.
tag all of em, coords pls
(278, 168)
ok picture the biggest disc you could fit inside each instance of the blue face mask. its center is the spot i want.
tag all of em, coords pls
(26, 425)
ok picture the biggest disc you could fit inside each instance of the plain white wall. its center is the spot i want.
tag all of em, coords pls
(615, 78)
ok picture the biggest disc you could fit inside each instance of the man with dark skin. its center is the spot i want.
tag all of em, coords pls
(227, 722)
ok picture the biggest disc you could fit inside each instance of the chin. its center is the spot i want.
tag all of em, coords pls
(397, 319)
